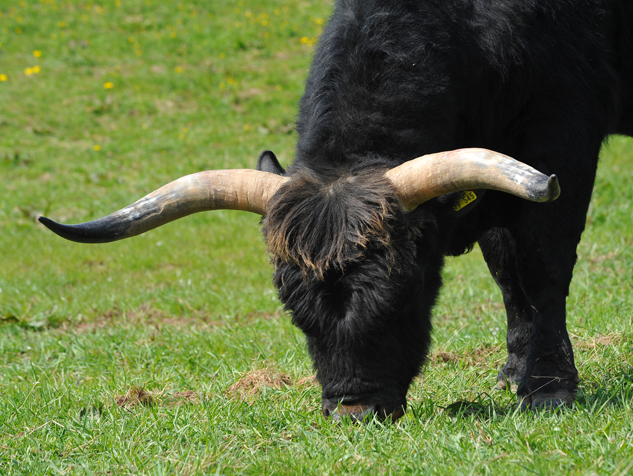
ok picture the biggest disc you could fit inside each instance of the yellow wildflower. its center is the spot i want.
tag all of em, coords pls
(36, 69)
(28, 71)
(108, 85)
(179, 69)
(3, 77)
(96, 147)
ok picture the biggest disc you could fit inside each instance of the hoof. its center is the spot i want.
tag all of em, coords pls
(510, 375)
(546, 401)
(506, 385)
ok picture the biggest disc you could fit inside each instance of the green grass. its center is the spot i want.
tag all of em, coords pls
(130, 97)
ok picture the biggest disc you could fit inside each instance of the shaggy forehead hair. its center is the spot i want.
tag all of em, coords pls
(325, 224)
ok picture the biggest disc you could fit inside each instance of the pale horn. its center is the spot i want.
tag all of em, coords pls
(429, 176)
(247, 190)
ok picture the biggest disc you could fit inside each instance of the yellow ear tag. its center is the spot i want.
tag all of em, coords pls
(467, 197)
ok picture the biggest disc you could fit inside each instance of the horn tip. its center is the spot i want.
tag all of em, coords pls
(553, 188)
(83, 233)
(48, 223)
(543, 189)
(57, 228)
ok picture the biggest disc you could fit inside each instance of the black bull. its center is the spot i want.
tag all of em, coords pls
(544, 81)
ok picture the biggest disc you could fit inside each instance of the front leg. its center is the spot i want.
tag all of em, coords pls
(546, 238)
(498, 248)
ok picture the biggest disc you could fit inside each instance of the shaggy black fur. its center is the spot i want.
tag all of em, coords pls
(544, 81)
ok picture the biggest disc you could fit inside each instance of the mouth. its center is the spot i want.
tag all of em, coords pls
(362, 412)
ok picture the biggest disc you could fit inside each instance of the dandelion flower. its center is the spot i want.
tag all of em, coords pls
(28, 71)
(3, 77)
(37, 53)
(96, 147)
(108, 85)
(179, 69)
(36, 69)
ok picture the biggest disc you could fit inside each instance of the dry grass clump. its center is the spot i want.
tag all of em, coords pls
(598, 341)
(482, 356)
(254, 382)
(310, 381)
(138, 396)
(134, 397)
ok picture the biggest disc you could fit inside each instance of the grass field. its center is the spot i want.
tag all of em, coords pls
(170, 353)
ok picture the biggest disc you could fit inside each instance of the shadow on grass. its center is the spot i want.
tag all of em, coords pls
(616, 393)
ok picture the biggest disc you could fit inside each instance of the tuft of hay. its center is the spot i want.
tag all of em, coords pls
(252, 384)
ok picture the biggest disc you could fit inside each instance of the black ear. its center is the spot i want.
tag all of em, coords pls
(267, 162)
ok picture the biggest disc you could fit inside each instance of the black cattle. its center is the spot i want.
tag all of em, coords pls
(544, 81)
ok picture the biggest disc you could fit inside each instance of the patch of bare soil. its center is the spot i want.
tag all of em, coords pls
(481, 356)
(252, 384)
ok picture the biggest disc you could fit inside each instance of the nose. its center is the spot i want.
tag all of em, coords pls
(360, 411)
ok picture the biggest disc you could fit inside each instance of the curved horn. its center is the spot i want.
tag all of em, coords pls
(247, 190)
(429, 176)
